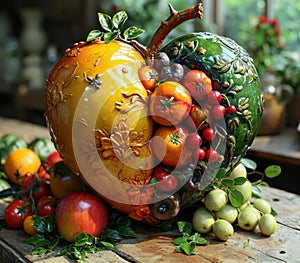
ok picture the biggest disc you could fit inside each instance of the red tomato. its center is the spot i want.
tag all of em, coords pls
(52, 159)
(160, 172)
(42, 188)
(198, 115)
(208, 134)
(63, 180)
(165, 181)
(168, 183)
(200, 154)
(198, 84)
(168, 145)
(218, 112)
(193, 141)
(170, 103)
(27, 181)
(231, 109)
(46, 205)
(211, 155)
(214, 97)
(16, 212)
(148, 76)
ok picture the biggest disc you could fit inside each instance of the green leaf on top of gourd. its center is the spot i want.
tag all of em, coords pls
(105, 21)
(132, 32)
(94, 34)
(110, 36)
(119, 19)
(272, 171)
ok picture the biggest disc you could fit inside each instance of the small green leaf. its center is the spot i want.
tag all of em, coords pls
(123, 220)
(272, 171)
(178, 249)
(235, 197)
(179, 240)
(61, 252)
(132, 32)
(227, 182)
(107, 244)
(198, 239)
(114, 235)
(185, 227)
(83, 239)
(110, 36)
(256, 191)
(246, 244)
(188, 247)
(105, 21)
(249, 163)
(221, 173)
(126, 231)
(93, 35)
(119, 19)
(239, 180)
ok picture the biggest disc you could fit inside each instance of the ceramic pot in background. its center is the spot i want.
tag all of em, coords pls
(293, 111)
(33, 37)
(274, 117)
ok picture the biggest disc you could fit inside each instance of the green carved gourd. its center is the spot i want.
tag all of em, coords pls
(234, 75)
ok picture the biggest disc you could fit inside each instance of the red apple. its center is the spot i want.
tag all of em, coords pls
(79, 212)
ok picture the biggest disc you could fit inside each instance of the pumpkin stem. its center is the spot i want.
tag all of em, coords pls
(175, 18)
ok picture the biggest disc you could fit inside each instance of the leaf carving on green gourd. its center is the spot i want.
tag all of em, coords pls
(221, 65)
(233, 123)
(243, 104)
(234, 90)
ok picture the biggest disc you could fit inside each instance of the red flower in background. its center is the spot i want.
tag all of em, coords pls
(263, 40)
(263, 20)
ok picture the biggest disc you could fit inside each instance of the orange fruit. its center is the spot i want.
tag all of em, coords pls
(21, 161)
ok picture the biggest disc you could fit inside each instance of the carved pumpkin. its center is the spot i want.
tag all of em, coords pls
(97, 112)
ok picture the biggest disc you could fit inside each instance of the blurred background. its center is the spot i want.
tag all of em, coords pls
(35, 34)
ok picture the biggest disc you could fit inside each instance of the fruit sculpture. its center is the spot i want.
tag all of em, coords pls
(148, 128)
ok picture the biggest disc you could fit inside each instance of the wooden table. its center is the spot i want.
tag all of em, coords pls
(283, 147)
(155, 246)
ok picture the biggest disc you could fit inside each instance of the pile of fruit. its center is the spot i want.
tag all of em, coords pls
(40, 180)
(219, 213)
(150, 130)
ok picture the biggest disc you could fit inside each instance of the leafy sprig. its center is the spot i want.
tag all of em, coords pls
(48, 238)
(189, 239)
(111, 28)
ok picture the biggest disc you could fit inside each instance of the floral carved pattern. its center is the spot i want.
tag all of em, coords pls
(121, 143)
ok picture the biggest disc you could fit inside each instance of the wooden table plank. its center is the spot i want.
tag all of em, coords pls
(283, 147)
(155, 246)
